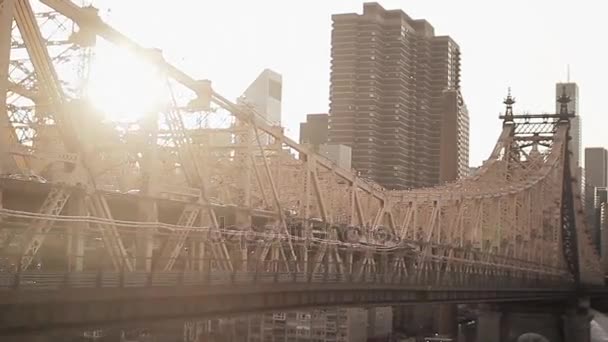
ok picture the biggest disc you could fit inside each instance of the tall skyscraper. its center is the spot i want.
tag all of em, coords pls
(596, 177)
(395, 98)
(571, 90)
(604, 235)
(265, 94)
(596, 166)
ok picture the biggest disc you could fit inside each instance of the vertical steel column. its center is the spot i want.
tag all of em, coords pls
(148, 212)
(6, 21)
(76, 233)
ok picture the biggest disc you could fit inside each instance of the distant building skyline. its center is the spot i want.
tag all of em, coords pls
(395, 98)
(300, 51)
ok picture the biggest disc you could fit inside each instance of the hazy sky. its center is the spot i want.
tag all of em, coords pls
(519, 43)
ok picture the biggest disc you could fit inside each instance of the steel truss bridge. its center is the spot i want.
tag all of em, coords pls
(172, 217)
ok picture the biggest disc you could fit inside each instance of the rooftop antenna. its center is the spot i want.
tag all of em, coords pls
(568, 73)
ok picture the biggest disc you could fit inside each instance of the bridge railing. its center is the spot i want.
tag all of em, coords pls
(482, 279)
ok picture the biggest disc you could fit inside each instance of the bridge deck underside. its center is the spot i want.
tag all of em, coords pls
(73, 308)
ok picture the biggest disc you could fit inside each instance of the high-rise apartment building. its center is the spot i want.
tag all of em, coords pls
(596, 176)
(395, 98)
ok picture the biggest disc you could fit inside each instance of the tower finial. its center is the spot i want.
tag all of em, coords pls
(509, 101)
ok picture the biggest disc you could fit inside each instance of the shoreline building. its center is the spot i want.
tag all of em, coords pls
(395, 99)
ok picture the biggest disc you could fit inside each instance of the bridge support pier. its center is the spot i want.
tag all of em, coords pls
(577, 326)
(488, 326)
(508, 323)
(447, 319)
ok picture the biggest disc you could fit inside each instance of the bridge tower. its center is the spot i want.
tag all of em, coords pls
(559, 321)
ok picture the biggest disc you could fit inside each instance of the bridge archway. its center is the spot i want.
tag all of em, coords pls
(532, 337)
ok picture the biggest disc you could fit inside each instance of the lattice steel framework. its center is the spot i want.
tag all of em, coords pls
(293, 210)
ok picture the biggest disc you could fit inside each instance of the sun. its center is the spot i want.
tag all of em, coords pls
(124, 87)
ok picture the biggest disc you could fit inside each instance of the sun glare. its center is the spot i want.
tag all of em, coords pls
(123, 87)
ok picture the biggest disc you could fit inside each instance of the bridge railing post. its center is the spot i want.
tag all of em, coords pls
(66, 280)
(255, 272)
(276, 271)
(99, 277)
(121, 275)
(180, 276)
(149, 276)
(208, 270)
(309, 275)
(17, 277)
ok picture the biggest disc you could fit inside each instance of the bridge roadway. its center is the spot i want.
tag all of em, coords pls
(41, 301)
